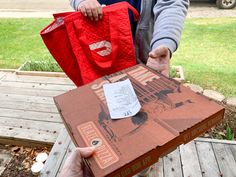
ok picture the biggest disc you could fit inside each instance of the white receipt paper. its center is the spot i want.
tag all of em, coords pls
(121, 99)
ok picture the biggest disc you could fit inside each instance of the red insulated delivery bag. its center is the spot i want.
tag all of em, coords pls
(87, 50)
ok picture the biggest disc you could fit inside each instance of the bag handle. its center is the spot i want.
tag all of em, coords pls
(135, 12)
(118, 5)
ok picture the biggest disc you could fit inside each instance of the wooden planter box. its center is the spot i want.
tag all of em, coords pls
(180, 73)
(19, 71)
(8, 70)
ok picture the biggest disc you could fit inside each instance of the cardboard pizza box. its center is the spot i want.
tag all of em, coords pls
(171, 115)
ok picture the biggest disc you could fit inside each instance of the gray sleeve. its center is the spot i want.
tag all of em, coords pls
(169, 16)
(75, 3)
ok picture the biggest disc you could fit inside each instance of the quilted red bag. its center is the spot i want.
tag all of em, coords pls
(87, 50)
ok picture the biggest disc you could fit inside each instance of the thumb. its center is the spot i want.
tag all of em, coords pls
(159, 52)
(86, 152)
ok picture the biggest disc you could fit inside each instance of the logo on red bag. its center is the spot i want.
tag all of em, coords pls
(103, 48)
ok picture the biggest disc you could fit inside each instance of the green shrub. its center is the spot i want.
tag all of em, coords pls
(229, 134)
(41, 66)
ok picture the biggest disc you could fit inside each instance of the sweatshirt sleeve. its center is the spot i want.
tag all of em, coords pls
(75, 3)
(169, 16)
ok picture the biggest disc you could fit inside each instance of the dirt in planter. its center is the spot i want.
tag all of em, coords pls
(219, 131)
(22, 160)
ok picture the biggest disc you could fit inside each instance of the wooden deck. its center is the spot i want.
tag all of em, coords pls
(199, 158)
(28, 114)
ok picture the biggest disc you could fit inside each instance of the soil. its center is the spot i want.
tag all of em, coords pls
(219, 131)
(22, 160)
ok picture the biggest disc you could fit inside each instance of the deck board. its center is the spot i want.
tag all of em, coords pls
(26, 135)
(195, 158)
(30, 115)
(30, 91)
(40, 79)
(71, 147)
(49, 127)
(26, 98)
(2, 74)
(56, 155)
(208, 165)
(172, 164)
(233, 149)
(24, 131)
(225, 159)
(37, 86)
(190, 159)
(158, 169)
(27, 111)
(29, 106)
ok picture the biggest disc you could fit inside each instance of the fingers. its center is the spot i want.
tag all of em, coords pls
(96, 12)
(80, 152)
(156, 65)
(73, 165)
(159, 66)
(159, 60)
(99, 12)
(91, 9)
(89, 13)
(86, 152)
(83, 10)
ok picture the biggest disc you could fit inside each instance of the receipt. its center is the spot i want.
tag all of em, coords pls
(121, 99)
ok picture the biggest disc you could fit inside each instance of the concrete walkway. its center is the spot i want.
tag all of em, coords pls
(32, 9)
(45, 9)
(38, 5)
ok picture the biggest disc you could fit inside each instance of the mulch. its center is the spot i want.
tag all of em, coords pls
(219, 131)
(22, 160)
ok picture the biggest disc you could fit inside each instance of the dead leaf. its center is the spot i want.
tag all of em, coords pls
(221, 133)
(21, 150)
(15, 149)
(26, 165)
(28, 149)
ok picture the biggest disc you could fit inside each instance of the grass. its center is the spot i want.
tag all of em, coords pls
(20, 41)
(207, 51)
(208, 54)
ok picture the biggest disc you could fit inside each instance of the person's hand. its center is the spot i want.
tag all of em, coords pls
(159, 60)
(73, 166)
(91, 9)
